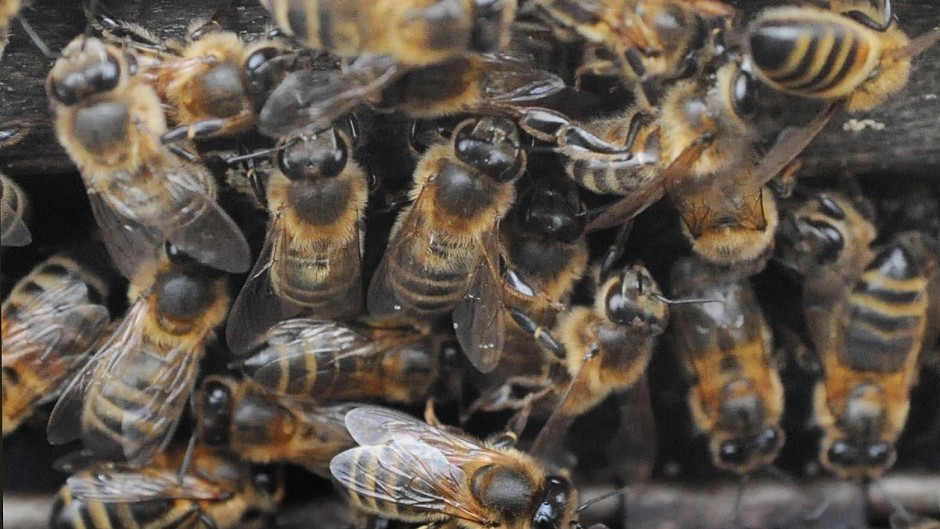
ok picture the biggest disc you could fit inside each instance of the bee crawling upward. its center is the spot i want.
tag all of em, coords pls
(443, 255)
(110, 122)
(126, 402)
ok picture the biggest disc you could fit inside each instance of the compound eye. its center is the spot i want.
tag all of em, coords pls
(619, 307)
(732, 453)
(548, 215)
(64, 93)
(106, 76)
(879, 454)
(831, 208)
(745, 95)
(554, 503)
(494, 155)
(844, 454)
(830, 241)
(266, 479)
(259, 76)
(767, 442)
(216, 417)
(307, 160)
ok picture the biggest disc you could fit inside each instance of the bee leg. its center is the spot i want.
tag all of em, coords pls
(207, 521)
(783, 184)
(187, 458)
(541, 335)
(615, 250)
(595, 68)
(542, 123)
(211, 128)
(430, 416)
(183, 153)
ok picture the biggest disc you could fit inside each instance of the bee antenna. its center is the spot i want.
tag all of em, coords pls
(92, 7)
(37, 40)
(187, 458)
(918, 44)
(669, 301)
(257, 154)
(616, 492)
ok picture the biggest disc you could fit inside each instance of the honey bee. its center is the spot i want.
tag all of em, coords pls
(14, 205)
(8, 10)
(311, 258)
(915, 223)
(546, 253)
(110, 122)
(847, 55)
(826, 240)
(262, 426)
(602, 349)
(218, 492)
(407, 470)
(704, 147)
(825, 230)
(217, 84)
(643, 38)
(413, 33)
(444, 249)
(127, 400)
(51, 320)
(330, 361)
(736, 396)
(485, 84)
(869, 345)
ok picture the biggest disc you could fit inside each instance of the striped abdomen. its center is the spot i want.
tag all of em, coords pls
(357, 369)
(430, 276)
(886, 314)
(128, 411)
(51, 319)
(813, 52)
(619, 173)
(69, 512)
(373, 479)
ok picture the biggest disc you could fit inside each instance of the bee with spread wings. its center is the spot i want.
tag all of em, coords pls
(407, 470)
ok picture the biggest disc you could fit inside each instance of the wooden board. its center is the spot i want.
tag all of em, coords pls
(900, 138)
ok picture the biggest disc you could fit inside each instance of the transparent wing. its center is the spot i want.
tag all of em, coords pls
(258, 305)
(479, 317)
(196, 224)
(129, 243)
(375, 425)
(299, 338)
(13, 230)
(316, 99)
(407, 473)
(65, 421)
(509, 79)
(166, 397)
(120, 484)
(382, 299)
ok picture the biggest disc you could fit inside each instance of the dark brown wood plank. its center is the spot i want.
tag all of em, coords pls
(900, 138)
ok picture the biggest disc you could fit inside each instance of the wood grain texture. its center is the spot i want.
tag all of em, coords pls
(900, 138)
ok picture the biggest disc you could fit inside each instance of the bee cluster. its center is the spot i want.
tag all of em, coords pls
(568, 235)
